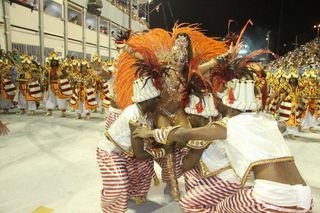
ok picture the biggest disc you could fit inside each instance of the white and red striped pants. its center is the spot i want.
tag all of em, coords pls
(244, 201)
(191, 178)
(112, 116)
(122, 177)
(178, 154)
(204, 196)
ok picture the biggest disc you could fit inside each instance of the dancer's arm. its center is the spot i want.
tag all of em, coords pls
(192, 159)
(214, 132)
(207, 133)
(139, 148)
(205, 67)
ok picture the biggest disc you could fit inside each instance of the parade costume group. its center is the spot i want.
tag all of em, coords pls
(59, 84)
(191, 104)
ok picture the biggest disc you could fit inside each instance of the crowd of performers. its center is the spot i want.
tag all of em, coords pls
(189, 103)
(58, 84)
(294, 98)
(292, 82)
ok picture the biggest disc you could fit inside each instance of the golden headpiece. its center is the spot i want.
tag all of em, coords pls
(75, 62)
(281, 73)
(96, 58)
(53, 56)
(26, 59)
(66, 63)
(84, 62)
(306, 74)
(110, 63)
(313, 73)
(293, 73)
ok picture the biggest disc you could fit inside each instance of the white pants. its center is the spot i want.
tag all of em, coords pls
(309, 120)
(52, 101)
(282, 194)
(23, 104)
(82, 110)
(99, 101)
(5, 103)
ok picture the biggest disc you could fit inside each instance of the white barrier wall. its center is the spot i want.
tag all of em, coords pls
(23, 17)
(75, 46)
(53, 25)
(1, 11)
(74, 31)
(91, 36)
(90, 49)
(104, 40)
(2, 38)
(104, 51)
(22, 36)
(54, 42)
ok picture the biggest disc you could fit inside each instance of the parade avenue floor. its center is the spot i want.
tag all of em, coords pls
(48, 164)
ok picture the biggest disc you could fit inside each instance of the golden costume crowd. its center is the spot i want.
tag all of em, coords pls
(58, 84)
(192, 105)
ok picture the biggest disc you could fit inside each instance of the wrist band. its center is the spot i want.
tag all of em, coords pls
(161, 135)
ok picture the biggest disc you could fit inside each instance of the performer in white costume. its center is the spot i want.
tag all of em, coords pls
(126, 165)
(58, 85)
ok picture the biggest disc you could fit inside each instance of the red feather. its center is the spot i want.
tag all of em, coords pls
(199, 107)
(231, 96)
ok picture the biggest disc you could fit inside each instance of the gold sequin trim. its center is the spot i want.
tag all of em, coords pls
(204, 171)
(223, 122)
(198, 144)
(262, 162)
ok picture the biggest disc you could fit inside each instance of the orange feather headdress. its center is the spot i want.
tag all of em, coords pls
(149, 53)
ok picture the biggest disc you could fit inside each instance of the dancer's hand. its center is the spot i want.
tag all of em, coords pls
(3, 129)
(142, 132)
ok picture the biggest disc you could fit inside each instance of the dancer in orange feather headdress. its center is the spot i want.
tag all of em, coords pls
(170, 53)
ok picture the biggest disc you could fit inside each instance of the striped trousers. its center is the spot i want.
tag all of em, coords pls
(244, 202)
(122, 177)
(290, 114)
(192, 178)
(112, 116)
(204, 196)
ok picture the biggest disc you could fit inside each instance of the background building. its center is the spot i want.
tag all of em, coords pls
(37, 27)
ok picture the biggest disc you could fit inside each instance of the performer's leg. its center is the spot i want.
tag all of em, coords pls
(5, 104)
(140, 174)
(32, 106)
(192, 178)
(51, 102)
(80, 110)
(22, 103)
(244, 201)
(207, 194)
(115, 181)
(62, 105)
